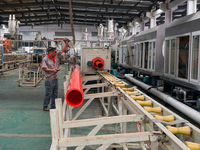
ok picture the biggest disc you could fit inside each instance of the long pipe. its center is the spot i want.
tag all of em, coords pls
(191, 113)
(74, 96)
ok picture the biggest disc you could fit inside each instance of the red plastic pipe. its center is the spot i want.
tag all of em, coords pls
(98, 63)
(74, 96)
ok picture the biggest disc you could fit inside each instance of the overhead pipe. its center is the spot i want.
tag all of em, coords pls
(191, 113)
(98, 62)
(74, 96)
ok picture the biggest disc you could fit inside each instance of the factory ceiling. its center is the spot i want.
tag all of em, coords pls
(85, 12)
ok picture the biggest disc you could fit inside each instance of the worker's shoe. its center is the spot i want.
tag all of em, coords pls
(53, 107)
(45, 109)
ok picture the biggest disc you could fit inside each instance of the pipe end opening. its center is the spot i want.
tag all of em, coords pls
(74, 98)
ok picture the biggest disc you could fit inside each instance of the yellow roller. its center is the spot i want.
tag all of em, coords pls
(120, 85)
(141, 97)
(192, 146)
(181, 130)
(115, 80)
(118, 82)
(165, 118)
(127, 89)
(155, 109)
(144, 103)
(132, 93)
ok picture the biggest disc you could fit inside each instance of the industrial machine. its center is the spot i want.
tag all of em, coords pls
(148, 56)
(95, 58)
(13, 26)
(167, 56)
(181, 75)
(125, 59)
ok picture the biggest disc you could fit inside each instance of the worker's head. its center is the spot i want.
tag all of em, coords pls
(52, 51)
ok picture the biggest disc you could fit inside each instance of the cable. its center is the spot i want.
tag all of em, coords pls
(140, 130)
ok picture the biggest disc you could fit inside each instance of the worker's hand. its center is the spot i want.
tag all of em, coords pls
(66, 40)
(54, 70)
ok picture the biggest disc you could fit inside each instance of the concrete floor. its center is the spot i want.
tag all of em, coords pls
(23, 123)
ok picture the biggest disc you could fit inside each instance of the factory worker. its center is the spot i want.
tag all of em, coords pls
(50, 65)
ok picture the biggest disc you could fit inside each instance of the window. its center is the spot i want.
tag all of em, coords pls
(172, 62)
(183, 57)
(195, 54)
(167, 49)
(146, 54)
(150, 55)
(95, 34)
(134, 54)
(27, 44)
(29, 33)
(139, 55)
(141, 58)
(125, 55)
(120, 54)
(154, 55)
(63, 33)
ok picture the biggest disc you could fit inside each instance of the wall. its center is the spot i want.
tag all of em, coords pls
(48, 31)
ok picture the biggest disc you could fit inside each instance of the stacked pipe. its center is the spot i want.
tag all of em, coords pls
(74, 96)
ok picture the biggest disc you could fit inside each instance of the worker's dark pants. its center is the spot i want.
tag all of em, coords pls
(51, 91)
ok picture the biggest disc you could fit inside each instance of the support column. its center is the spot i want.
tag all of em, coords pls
(152, 16)
(191, 6)
(116, 49)
(152, 22)
(133, 30)
(110, 101)
(168, 16)
(122, 111)
(142, 26)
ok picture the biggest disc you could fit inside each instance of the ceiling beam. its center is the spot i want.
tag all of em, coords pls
(74, 11)
(67, 16)
(42, 23)
(63, 20)
(66, 4)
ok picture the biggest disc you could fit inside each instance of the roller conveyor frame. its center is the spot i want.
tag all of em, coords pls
(158, 134)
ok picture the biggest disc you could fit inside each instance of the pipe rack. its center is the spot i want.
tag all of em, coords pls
(62, 120)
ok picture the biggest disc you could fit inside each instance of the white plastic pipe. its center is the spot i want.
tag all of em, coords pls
(191, 113)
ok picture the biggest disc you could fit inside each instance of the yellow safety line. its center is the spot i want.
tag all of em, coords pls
(17, 80)
(10, 73)
(24, 135)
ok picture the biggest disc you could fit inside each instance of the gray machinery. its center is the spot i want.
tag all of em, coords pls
(181, 66)
(89, 57)
(125, 52)
(147, 53)
(169, 54)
